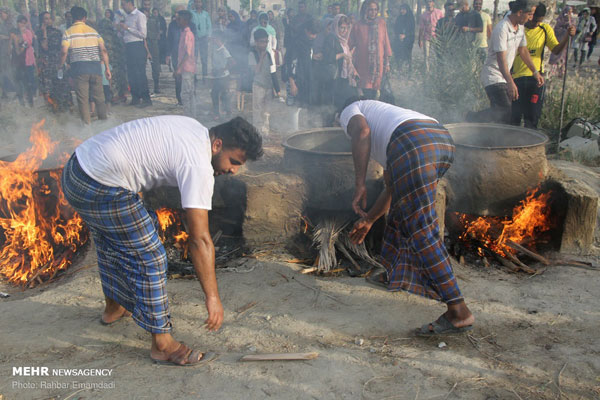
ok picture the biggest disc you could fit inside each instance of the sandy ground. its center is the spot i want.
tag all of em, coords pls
(535, 337)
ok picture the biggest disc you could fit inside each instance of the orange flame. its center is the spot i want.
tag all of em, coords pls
(170, 221)
(39, 231)
(530, 218)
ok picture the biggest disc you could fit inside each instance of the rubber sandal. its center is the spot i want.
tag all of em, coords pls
(442, 326)
(185, 354)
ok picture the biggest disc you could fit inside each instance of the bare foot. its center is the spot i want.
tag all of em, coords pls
(459, 315)
(113, 312)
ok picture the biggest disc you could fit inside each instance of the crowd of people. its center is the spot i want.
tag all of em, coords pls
(296, 57)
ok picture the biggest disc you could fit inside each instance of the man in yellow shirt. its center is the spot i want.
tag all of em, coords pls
(531, 96)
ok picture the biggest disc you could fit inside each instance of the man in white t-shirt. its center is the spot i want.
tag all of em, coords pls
(102, 180)
(508, 40)
(415, 151)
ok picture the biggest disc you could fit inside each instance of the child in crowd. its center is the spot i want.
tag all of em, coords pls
(221, 61)
(264, 83)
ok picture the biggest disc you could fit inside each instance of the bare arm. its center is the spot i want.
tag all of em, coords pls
(381, 206)
(202, 252)
(513, 93)
(359, 131)
(64, 52)
(489, 30)
(105, 60)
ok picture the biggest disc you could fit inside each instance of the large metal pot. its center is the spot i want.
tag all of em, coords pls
(494, 166)
(323, 158)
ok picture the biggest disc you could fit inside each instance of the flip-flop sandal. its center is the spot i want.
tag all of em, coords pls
(126, 315)
(378, 279)
(187, 355)
(441, 327)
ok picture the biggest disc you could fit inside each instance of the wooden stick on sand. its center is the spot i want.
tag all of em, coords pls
(280, 357)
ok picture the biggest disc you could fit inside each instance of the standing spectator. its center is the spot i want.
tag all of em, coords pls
(345, 75)
(221, 60)
(263, 23)
(186, 63)
(287, 27)
(508, 39)
(116, 54)
(586, 26)
(34, 17)
(298, 71)
(300, 20)
(404, 29)
(337, 9)
(234, 36)
(68, 22)
(221, 21)
(325, 63)
(201, 19)
(23, 60)
(329, 14)
(173, 36)
(468, 22)
(531, 95)
(153, 43)
(372, 50)
(445, 25)
(264, 81)
(55, 91)
(592, 43)
(162, 42)
(250, 25)
(85, 47)
(427, 25)
(133, 28)
(564, 21)
(481, 38)
(5, 67)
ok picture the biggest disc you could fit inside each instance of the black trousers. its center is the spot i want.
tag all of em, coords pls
(500, 106)
(529, 104)
(136, 70)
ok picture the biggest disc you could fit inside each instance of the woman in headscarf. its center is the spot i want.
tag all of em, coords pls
(372, 50)
(586, 25)
(263, 23)
(55, 91)
(563, 22)
(404, 29)
(337, 53)
(116, 56)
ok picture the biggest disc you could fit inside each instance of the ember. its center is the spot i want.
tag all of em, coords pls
(39, 231)
(171, 226)
(530, 220)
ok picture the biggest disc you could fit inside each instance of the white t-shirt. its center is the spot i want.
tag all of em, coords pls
(167, 150)
(383, 119)
(504, 38)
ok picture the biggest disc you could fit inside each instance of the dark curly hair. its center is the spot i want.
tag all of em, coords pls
(241, 134)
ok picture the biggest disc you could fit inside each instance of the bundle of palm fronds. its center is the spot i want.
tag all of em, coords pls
(333, 233)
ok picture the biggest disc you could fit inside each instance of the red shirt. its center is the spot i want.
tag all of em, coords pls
(186, 47)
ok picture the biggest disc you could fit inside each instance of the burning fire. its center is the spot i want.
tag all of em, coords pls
(530, 218)
(171, 221)
(39, 231)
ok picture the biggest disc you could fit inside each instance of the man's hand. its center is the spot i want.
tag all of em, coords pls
(360, 229)
(466, 29)
(402, 36)
(513, 92)
(215, 313)
(359, 201)
(293, 88)
(539, 78)
(168, 60)
(572, 31)
(420, 44)
(122, 26)
(108, 74)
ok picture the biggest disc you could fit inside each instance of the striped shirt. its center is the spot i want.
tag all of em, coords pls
(83, 43)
